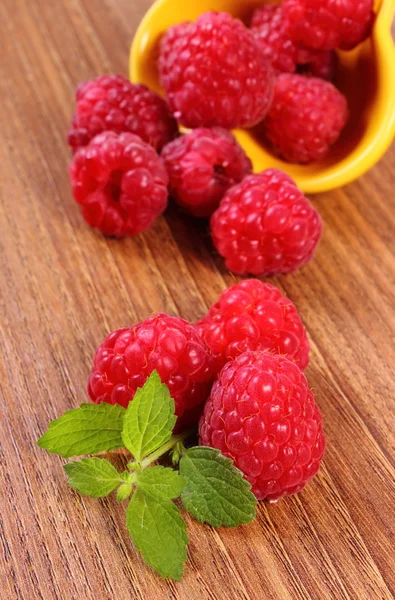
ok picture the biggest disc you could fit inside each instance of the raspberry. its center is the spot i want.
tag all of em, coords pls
(270, 31)
(252, 315)
(202, 166)
(170, 345)
(214, 73)
(265, 225)
(306, 117)
(326, 25)
(262, 415)
(120, 182)
(112, 103)
(269, 27)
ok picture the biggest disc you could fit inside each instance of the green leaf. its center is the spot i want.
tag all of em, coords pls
(159, 532)
(89, 429)
(216, 492)
(149, 419)
(94, 477)
(161, 482)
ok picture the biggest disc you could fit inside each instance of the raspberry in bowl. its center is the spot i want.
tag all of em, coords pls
(326, 25)
(270, 28)
(214, 74)
(306, 118)
(366, 76)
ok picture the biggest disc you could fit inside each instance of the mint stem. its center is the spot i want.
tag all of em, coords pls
(175, 439)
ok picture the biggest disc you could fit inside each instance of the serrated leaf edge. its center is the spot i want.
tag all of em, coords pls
(59, 422)
(183, 532)
(247, 487)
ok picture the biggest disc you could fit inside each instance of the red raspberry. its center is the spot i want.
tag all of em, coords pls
(262, 415)
(214, 73)
(202, 166)
(120, 182)
(170, 345)
(270, 31)
(306, 117)
(325, 24)
(252, 315)
(112, 103)
(265, 225)
(269, 27)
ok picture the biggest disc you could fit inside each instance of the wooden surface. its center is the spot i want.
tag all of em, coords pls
(63, 287)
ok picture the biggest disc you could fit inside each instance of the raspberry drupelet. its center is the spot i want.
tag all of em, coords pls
(306, 118)
(325, 24)
(113, 103)
(265, 225)
(168, 344)
(262, 414)
(252, 315)
(214, 73)
(120, 183)
(202, 165)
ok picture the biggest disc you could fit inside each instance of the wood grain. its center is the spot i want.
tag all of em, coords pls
(63, 287)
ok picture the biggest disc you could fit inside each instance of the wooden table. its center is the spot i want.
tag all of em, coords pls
(63, 287)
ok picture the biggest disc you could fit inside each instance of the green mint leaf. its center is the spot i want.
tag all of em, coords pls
(159, 532)
(124, 491)
(216, 492)
(94, 477)
(161, 482)
(149, 418)
(89, 429)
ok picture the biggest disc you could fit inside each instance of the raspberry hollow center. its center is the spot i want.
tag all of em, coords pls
(113, 185)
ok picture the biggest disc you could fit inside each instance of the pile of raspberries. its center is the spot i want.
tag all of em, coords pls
(218, 75)
(238, 372)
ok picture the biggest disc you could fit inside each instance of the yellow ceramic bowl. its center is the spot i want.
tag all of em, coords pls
(366, 75)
